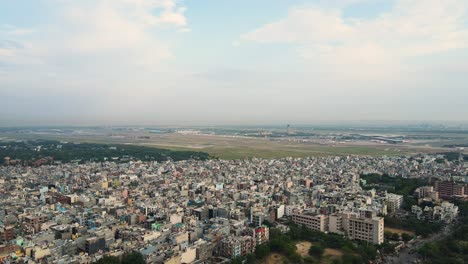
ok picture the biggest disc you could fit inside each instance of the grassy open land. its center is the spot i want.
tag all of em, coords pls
(229, 147)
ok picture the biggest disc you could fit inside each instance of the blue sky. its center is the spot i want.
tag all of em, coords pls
(153, 62)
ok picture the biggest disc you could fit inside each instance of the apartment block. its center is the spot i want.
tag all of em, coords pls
(366, 229)
(312, 221)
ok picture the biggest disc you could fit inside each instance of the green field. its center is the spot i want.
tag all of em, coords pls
(226, 147)
(237, 152)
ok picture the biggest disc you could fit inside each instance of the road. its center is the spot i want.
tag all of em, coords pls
(405, 255)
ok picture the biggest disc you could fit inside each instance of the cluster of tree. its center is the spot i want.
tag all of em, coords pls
(397, 185)
(285, 244)
(353, 251)
(316, 250)
(453, 156)
(66, 152)
(452, 248)
(396, 237)
(421, 228)
(247, 259)
(456, 146)
(129, 258)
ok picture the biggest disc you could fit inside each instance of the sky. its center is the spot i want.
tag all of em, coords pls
(214, 62)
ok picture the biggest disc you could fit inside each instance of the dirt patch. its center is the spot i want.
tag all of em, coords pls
(399, 231)
(273, 258)
(333, 252)
(302, 248)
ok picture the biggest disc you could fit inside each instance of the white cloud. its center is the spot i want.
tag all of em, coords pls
(99, 55)
(105, 29)
(169, 11)
(304, 26)
(411, 28)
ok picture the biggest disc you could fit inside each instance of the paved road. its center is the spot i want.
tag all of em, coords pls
(404, 256)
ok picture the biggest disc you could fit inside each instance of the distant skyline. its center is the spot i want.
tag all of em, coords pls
(219, 62)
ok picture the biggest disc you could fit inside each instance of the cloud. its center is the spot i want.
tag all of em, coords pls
(104, 30)
(303, 26)
(90, 46)
(412, 28)
(99, 56)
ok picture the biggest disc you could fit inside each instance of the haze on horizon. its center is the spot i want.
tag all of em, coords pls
(130, 62)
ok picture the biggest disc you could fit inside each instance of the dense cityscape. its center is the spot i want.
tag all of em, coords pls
(217, 211)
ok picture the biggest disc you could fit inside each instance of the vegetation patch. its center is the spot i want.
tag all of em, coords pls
(452, 248)
(33, 151)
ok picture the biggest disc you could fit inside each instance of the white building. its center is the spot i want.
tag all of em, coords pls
(280, 211)
(394, 202)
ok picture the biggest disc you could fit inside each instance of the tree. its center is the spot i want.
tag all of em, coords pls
(133, 258)
(388, 234)
(295, 258)
(108, 260)
(387, 248)
(316, 250)
(237, 260)
(262, 251)
(251, 258)
(406, 237)
(310, 260)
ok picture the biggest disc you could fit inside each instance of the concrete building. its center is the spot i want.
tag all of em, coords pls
(450, 189)
(426, 192)
(366, 229)
(7, 233)
(312, 221)
(232, 247)
(394, 202)
(261, 235)
(94, 244)
(335, 223)
(257, 218)
(280, 211)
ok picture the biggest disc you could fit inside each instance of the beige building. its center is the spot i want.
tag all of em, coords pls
(312, 221)
(353, 225)
(335, 224)
(189, 255)
(365, 229)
